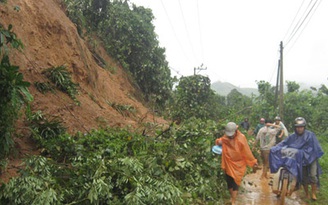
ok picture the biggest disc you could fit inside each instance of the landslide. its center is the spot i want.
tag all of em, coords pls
(50, 40)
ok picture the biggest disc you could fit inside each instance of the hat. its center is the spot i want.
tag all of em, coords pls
(262, 119)
(230, 129)
(277, 118)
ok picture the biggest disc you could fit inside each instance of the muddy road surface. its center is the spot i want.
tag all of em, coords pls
(255, 191)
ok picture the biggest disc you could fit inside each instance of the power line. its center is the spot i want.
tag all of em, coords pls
(175, 34)
(200, 33)
(299, 9)
(300, 22)
(185, 25)
(290, 47)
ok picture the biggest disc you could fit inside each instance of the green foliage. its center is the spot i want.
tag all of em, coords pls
(3, 165)
(323, 89)
(194, 97)
(13, 91)
(43, 87)
(319, 113)
(33, 189)
(62, 80)
(292, 86)
(44, 128)
(129, 36)
(8, 39)
(124, 110)
(240, 104)
(298, 104)
(115, 166)
(322, 196)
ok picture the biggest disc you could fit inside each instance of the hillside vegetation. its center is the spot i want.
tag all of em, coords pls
(88, 105)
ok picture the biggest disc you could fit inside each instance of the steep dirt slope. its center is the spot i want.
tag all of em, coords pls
(51, 40)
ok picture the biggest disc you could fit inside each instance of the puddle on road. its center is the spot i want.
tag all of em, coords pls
(254, 191)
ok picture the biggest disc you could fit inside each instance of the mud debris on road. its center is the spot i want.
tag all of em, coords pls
(255, 191)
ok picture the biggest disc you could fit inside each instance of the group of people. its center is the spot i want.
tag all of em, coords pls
(269, 134)
(237, 155)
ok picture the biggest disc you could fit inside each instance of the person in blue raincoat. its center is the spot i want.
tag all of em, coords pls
(307, 168)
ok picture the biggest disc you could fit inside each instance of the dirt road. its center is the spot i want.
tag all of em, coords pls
(254, 191)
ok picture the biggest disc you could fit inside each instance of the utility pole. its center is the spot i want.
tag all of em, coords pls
(277, 86)
(199, 68)
(281, 93)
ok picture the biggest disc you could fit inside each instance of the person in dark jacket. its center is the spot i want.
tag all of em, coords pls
(307, 143)
(259, 126)
(245, 124)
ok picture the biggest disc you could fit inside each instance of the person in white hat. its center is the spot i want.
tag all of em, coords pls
(236, 155)
(267, 138)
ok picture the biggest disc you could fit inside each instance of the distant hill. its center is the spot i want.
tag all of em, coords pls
(224, 88)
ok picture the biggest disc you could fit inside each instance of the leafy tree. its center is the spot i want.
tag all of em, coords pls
(115, 166)
(292, 86)
(266, 92)
(264, 104)
(323, 89)
(298, 104)
(129, 36)
(194, 98)
(320, 112)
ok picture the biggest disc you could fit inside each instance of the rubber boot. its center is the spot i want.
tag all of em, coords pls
(314, 192)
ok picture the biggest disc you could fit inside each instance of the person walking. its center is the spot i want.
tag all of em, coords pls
(307, 142)
(267, 138)
(245, 124)
(259, 126)
(236, 156)
(283, 133)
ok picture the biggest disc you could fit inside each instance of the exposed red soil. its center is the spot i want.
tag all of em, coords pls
(50, 39)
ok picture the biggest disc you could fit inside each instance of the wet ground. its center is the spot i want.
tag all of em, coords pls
(255, 191)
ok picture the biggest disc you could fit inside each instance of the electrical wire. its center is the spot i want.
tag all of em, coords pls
(292, 45)
(200, 33)
(186, 28)
(175, 34)
(299, 9)
(300, 22)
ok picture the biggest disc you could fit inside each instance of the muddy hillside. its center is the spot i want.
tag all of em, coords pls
(50, 40)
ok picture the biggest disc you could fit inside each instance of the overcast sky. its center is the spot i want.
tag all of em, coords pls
(238, 41)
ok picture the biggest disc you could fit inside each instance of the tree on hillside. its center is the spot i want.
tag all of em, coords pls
(13, 90)
(194, 97)
(129, 36)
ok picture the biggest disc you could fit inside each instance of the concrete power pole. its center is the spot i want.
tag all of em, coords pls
(281, 93)
(277, 86)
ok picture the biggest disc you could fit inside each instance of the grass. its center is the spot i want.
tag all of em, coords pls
(323, 161)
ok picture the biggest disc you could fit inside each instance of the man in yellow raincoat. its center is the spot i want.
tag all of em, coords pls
(236, 155)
